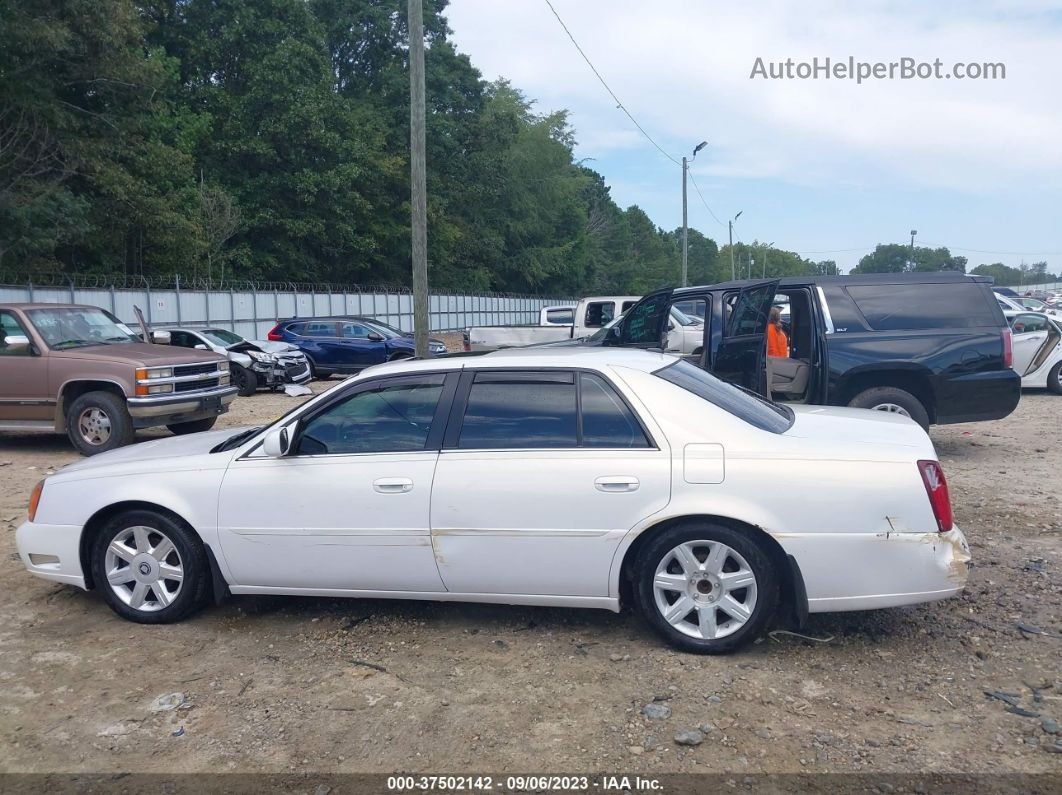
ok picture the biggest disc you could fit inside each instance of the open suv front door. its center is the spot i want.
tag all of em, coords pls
(741, 357)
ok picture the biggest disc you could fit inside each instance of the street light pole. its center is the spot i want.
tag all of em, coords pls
(911, 263)
(685, 228)
(766, 251)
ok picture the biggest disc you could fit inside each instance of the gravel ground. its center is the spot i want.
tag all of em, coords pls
(321, 685)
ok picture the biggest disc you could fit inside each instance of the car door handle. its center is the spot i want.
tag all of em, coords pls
(393, 485)
(616, 484)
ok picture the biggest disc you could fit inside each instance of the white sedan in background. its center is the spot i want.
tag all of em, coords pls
(1037, 344)
(573, 477)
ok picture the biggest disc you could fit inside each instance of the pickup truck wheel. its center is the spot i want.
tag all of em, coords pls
(893, 400)
(196, 426)
(706, 588)
(1054, 379)
(150, 568)
(246, 381)
(97, 422)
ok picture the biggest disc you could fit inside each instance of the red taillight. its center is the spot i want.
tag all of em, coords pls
(1008, 348)
(274, 334)
(937, 489)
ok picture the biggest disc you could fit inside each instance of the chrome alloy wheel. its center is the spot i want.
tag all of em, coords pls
(892, 408)
(144, 568)
(705, 589)
(94, 426)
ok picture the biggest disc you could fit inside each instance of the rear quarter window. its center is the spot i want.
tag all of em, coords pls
(910, 307)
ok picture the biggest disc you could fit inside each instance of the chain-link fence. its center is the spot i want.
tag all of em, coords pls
(252, 308)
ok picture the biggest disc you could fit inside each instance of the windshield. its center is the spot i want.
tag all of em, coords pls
(79, 326)
(742, 403)
(388, 331)
(601, 332)
(1031, 303)
(222, 337)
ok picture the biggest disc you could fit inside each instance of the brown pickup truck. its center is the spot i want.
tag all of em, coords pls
(79, 370)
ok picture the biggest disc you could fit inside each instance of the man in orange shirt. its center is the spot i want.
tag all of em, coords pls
(777, 341)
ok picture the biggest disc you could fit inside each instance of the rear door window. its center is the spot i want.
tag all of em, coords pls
(910, 307)
(748, 315)
(518, 410)
(607, 421)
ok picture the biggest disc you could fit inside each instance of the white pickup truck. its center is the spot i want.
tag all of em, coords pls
(590, 314)
(686, 333)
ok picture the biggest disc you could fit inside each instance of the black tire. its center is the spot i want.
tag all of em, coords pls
(744, 544)
(195, 426)
(1054, 379)
(892, 396)
(246, 381)
(102, 416)
(316, 374)
(188, 555)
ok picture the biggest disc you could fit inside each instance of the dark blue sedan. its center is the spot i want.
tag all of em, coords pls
(347, 344)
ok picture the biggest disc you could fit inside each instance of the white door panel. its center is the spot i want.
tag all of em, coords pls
(540, 522)
(1025, 347)
(355, 522)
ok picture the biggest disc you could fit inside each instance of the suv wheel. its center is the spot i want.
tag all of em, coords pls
(150, 568)
(706, 588)
(97, 422)
(893, 400)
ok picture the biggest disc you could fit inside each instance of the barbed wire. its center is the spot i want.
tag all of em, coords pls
(175, 282)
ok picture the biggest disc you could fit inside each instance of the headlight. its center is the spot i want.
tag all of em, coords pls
(260, 357)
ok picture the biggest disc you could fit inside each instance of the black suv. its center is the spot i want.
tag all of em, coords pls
(932, 346)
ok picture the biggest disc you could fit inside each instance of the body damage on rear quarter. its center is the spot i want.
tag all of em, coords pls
(840, 491)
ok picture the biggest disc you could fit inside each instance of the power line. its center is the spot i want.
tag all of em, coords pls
(697, 188)
(612, 93)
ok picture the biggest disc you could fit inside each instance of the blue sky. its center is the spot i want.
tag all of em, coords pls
(813, 165)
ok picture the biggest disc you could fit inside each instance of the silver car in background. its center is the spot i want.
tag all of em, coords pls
(253, 364)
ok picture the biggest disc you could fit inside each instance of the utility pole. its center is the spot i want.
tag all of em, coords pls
(418, 167)
(685, 231)
(766, 251)
(911, 264)
(749, 254)
(733, 271)
(685, 228)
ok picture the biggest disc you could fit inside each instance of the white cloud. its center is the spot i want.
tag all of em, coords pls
(682, 68)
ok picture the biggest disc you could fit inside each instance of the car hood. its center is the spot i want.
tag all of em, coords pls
(265, 346)
(858, 426)
(140, 353)
(156, 450)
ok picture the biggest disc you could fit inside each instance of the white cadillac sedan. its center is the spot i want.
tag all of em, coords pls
(568, 476)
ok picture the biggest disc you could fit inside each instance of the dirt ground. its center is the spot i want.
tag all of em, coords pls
(320, 685)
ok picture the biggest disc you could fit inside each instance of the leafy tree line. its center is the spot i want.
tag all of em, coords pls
(268, 139)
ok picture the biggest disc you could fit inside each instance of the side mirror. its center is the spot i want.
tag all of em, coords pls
(19, 344)
(670, 326)
(374, 337)
(201, 347)
(160, 337)
(276, 443)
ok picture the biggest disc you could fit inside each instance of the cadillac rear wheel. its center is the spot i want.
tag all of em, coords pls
(150, 568)
(706, 588)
